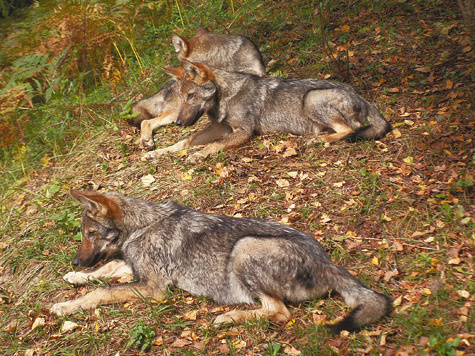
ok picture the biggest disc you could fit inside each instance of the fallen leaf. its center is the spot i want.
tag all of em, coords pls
(180, 343)
(319, 319)
(241, 344)
(398, 245)
(283, 183)
(147, 180)
(397, 301)
(37, 323)
(390, 274)
(464, 294)
(292, 351)
(68, 326)
(224, 349)
(325, 219)
(186, 176)
(191, 315)
(375, 261)
(423, 69)
(289, 152)
(454, 261)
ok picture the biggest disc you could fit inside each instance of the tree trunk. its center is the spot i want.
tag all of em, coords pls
(467, 8)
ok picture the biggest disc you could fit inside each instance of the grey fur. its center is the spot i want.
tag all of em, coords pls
(229, 52)
(244, 105)
(227, 259)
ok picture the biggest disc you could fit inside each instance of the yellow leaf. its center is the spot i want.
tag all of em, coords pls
(409, 160)
(350, 233)
(158, 341)
(182, 153)
(191, 315)
(437, 322)
(291, 322)
(45, 160)
(375, 261)
(186, 176)
(426, 291)
(345, 28)
(397, 133)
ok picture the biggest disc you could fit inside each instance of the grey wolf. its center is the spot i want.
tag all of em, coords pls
(231, 260)
(228, 52)
(240, 105)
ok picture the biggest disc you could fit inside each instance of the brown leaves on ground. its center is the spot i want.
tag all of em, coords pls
(398, 213)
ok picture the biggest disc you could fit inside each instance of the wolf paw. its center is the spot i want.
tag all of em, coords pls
(195, 158)
(154, 154)
(147, 144)
(76, 278)
(65, 308)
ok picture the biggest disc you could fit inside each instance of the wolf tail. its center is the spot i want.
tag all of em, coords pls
(368, 305)
(378, 127)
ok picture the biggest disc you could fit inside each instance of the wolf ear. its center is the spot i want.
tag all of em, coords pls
(201, 31)
(181, 46)
(175, 73)
(197, 72)
(97, 203)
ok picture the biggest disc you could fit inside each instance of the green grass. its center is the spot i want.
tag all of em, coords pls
(398, 213)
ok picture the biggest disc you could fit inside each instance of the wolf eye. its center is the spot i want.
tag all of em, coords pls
(190, 96)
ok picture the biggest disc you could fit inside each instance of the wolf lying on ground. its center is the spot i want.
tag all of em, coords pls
(240, 105)
(227, 259)
(229, 52)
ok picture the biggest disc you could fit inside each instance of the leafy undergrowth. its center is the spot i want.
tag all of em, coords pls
(398, 213)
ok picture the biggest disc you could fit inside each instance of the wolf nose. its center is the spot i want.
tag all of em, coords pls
(179, 122)
(76, 261)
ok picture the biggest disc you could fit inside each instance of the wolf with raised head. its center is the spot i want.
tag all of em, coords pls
(231, 260)
(240, 105)
(229, 52)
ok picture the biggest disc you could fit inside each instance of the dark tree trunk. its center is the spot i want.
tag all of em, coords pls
(467, 8)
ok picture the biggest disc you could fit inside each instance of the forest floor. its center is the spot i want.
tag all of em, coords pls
(399, 213)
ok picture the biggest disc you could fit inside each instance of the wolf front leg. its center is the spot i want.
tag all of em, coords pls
(237, 138)
(114, 269)
(210, 133)
(147, 127)
(108, 295)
